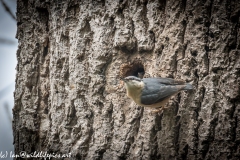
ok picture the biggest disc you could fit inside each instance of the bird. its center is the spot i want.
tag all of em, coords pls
(153, 92)
(141, 74)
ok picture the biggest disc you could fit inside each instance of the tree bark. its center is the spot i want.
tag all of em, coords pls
(71, 55)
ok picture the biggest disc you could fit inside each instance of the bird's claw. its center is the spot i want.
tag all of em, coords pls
(158, 111)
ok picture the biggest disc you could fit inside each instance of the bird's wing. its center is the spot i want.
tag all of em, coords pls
(157, 89)
(167, 81)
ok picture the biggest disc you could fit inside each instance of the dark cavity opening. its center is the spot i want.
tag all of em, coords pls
(134, 68)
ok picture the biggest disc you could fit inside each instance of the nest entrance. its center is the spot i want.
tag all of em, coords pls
(134, 68)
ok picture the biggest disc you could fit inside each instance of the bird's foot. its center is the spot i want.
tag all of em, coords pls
(158, 111)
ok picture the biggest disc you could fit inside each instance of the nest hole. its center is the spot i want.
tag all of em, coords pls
(134, 68)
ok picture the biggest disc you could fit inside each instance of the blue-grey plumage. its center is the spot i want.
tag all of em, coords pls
(153, 92)
(188, 87)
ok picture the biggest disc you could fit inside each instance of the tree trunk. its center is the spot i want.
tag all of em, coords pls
(71, 55)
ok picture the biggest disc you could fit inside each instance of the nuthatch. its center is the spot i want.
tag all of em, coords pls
(153, 92)
(140, 75)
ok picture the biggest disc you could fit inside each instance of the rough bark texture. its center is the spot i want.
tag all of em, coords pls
(71, 54)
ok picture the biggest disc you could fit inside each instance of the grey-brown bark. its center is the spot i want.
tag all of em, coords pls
(68, 96)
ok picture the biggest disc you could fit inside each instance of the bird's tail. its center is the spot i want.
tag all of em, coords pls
(188, 87)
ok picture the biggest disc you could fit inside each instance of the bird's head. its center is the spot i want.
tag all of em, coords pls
(133, 82)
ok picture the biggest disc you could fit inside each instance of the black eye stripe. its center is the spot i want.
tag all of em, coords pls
(133, 78)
